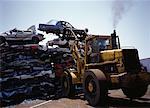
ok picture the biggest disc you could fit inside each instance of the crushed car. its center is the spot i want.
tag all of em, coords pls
(59, 42)
(21, 35)
(62, 28)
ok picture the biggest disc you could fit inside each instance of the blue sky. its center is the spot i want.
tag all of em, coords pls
(96, 15)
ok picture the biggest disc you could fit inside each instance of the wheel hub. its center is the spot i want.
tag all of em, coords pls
(90, 87)
(65, 84)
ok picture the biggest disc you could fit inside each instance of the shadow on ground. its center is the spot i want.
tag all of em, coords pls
(112, 101)
(120, 102)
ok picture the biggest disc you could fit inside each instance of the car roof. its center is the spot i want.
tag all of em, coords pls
(55, 22)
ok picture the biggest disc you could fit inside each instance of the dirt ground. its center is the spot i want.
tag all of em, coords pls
(116, 99)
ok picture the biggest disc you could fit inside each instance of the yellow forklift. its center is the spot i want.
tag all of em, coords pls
(101, 65)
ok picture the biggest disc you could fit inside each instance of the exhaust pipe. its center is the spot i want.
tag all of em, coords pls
(115, 40)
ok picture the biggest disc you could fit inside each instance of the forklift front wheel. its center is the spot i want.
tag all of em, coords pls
(68, 89)
(95, 87)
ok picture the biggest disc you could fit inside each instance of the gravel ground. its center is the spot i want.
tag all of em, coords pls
(116, 99)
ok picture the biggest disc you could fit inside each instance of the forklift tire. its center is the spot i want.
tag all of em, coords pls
(68, 89)
(136, 88)
(95, 87)
(135, 92)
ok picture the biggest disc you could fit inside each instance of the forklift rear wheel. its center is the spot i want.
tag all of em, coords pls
(95, 88)
(136, 88)
(136, 92)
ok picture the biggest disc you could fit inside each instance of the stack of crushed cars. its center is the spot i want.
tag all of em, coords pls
(61, 57)
(25, 68)
(29, 71)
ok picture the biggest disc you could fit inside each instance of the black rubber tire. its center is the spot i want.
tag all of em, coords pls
(68, 89)
(97, 96)
(35, 40)
(2, 40)
(136, 92)
(136, 88)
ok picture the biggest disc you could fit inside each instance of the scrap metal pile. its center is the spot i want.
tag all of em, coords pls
(25, 71)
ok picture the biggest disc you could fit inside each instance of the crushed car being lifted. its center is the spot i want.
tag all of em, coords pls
(61, 28)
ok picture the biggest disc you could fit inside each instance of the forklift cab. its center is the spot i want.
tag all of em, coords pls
(94, 44)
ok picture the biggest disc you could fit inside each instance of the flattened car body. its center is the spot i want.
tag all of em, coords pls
(21, 35)
(58, 27)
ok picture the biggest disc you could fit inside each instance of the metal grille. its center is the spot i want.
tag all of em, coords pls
(131, 60)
